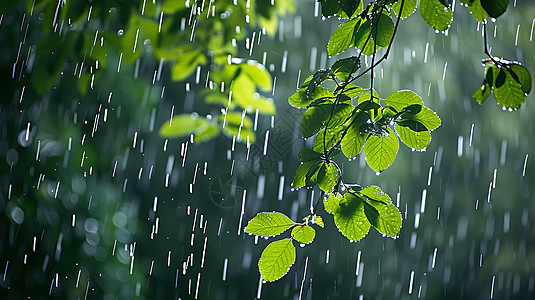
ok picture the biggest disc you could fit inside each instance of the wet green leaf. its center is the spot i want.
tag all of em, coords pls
(477, 11)
(375, 193)
(332, 202)
(307, 155)
(436, 14)
(343, 68)
(380, 151)
(342, 37)
(354, 140)
(277, 259)
(300, 175)
(383, 217)
(350, 218)
(300, 98)
(269, 224)
(328, 177)
(521, 75)
(303, 234)
(509, 94)
(401, 99)
(417, 140)
(409, 7)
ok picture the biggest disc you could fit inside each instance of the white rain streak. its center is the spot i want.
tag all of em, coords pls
(242, 211)
(281, 188)
(524, 167)
(303, 280)
(259, 290)
(411, 283)
(225, 266)
(424, 196)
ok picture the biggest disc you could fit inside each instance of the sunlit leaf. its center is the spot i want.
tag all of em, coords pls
(301, 99)
(375, 193)
(303, 234)
(401, 99)
(184, 125)
(300, 175)
(329, 177)
(307, 155)
(413, 139)
(350, 218)
(380, 151)
(509, 94)
(426, 117)
(478, 12)
(277, 259)
(314, 119)
(269, 224)
(343, 68)
(409, 7)
(386, 218)
(319, 221)
(436, 14)
(353, 141)
(342, 37)
(332, 202)
(327, 138)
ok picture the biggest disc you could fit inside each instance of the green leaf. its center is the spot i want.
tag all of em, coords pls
(301, 99)
(495, 8)
(307, 155)
(258, 74)
(409, 7)
(303, 234)
(327, 138)
(318, 77)
(318, 220)
(328, 177)
(342, 37)
(315, 174)
(426, 117)
(239, 125)
(375, 193)
(332, 203)
(521, 75)
(354, 140)
(478, 12)
(314, 119)
(385, 218)
(482, 93)
(350, 218)
(186, 64)
(184, 125)
(401, 99)
(276, 260)
(509, 94)
(415, 140)
(383, 30)
(269, 224)
(380, 151)
(342, 113)
(436, 14)
(300, 175)
(343, 68)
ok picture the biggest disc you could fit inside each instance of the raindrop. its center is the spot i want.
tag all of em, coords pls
(120, 32)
